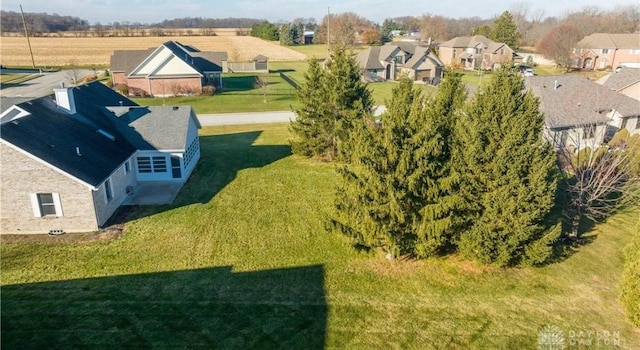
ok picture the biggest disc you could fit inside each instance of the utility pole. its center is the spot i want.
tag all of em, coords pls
(26, 33)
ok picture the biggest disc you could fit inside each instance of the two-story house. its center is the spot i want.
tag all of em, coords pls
(475, 52)
(393, 60)
(607, 51)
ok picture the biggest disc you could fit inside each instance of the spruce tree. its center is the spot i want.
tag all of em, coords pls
(432, 179)
(331, 101)
(313, 129)
(349, 100)
(505, 30)
(374, 202)
(506, 176)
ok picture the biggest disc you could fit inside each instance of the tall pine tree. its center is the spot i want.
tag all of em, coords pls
(331, 102)
(314, 128)
(432, 180)
(505, 30)
(374, 204)
(507, 176)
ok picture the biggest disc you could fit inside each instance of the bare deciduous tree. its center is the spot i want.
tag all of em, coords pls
(601, 180)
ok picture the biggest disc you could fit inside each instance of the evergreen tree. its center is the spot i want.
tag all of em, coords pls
(432, 178)
(314, 128)
(374, 202)
(506, 31)
(285, 35)
(385, 31)
(331, 102)
(506, 176)
(349, 99)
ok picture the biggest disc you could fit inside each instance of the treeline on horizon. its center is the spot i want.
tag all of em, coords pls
(532, 25)
(40, 23)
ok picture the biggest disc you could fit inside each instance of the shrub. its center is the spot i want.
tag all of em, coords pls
(208, 90)
(89, 78)
(123, 89)
(630, 297)
(106, 73)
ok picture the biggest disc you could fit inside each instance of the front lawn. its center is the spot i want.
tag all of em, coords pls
(242, 260)
(240, 94)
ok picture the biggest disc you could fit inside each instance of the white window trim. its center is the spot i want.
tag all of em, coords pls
(35, 204)
(108, 189)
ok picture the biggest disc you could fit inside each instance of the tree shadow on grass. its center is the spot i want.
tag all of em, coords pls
(206, 308)
(221, 158)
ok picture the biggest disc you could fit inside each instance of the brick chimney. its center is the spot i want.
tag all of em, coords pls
(64, 98)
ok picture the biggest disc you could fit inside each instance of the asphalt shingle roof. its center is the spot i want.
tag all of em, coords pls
(623, 78)
(54, 136)
(573, 100)
(610, 41)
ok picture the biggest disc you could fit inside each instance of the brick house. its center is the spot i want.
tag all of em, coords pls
(607, 51)
(393, 60)
(580, 113)
(70, 160)
(168, 70)
(475, 52)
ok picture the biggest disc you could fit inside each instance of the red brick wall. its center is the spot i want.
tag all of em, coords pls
(176, 86)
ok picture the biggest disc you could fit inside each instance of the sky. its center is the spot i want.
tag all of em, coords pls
(153, 11)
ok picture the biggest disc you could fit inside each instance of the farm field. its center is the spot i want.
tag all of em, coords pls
(241, 260)
(96, 51)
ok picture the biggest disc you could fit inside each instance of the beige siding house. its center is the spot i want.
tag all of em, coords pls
(70, 160)
(607, 51)
(394, 60)
(475, 52)
(580, 113)
(169, 70)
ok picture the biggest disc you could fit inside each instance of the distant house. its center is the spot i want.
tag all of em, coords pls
(607, 51)
(624, 80)
(168, 70)
(396, 59)
(307, 37)
(70, 160)
(580, 113)
(476, 52)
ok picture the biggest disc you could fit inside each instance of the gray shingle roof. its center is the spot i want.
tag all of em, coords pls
(52, 135)
(467, 41)
(153, 128)
(368, 59)
(623, 78)
(577, 100)
(127, 60)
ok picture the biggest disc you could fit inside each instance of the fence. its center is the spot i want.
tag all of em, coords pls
(289, 80)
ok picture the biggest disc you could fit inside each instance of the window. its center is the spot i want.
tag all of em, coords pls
(454, 53)
(502, 52)
(46, 204)
(144, 164)
(159, 164)
(589, 131)
(108, 192)
(127, 167)
(155, 164)
(637, 123)
(605, 51)
(399, 58)
(635, 52)
(194, 147)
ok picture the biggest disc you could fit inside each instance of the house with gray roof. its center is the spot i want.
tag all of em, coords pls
(168, 70)
(580, 113)
(605, 51)
(624, 80)
(393, 60)
(71, 159)
(476, 52)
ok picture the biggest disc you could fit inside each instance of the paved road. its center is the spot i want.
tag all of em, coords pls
(255, 117)
(42, 85)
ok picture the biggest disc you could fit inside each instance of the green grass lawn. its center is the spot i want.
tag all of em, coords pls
(241, 260)
(240, 94)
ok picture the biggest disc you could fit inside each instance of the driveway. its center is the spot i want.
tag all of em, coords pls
(42, 85)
